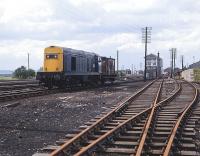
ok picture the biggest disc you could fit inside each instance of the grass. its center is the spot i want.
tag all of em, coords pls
(7, 78)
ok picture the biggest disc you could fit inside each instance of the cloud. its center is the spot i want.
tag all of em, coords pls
(101, 26)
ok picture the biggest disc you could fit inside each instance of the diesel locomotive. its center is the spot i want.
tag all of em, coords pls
(66, 67)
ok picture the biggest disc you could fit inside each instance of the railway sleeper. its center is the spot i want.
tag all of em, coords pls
(157, 145)
(188, 134)
(160, 134)
(126, 144)
(124, 118)
(163, 129)
(158, 139)
(156, 152)
(169, 112)
(108, 127)
(188, 146)
(163, 120)
(164, 125)
(132, 133)
(187, 153)
(124, 137)
(132, 111)
(186, 140)
(112, 151)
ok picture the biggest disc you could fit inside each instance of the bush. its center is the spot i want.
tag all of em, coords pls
(23, 73)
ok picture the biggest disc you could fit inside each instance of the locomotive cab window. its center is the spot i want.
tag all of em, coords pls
(51, 56)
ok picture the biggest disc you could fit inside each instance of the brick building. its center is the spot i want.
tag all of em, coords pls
(154, 66)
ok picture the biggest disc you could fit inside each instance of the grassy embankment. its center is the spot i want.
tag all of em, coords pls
(7, 78)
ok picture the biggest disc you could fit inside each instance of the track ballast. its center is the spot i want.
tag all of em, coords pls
(148, 123)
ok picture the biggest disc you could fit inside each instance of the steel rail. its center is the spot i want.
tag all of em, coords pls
(106, 135)
(147, 125)
(145, 131)
(170, 97)
(117, 129)
(101, 121)
(174, 131)
(20, 94)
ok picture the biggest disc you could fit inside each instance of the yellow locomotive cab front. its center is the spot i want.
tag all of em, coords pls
(53, 59)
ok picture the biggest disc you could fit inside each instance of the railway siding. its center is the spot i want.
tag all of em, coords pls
(41, 120)
(187, 140)
(101, 121)
(133, 115)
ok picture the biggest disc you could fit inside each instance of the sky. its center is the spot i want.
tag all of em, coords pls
(100, 26)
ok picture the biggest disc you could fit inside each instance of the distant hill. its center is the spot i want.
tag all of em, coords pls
(6, 72)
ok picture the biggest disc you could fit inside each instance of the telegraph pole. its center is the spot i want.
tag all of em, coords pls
(171, 54)
(135, 72)
(132, 69)
(28, 61)
(117, 63)
(173, 60)
(174, 49)
(146, 38)
(182, 61)
(158, 65)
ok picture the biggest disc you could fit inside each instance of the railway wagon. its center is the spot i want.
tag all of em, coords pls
(191, 75)
(65, 67)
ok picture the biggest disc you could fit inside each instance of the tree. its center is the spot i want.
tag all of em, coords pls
(23, 73)
(31, 73)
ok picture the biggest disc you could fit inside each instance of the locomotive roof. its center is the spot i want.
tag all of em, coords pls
(65, 49)
(79, 51)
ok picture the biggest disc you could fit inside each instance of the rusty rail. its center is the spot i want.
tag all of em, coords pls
(174, 131)
(106, 135)
(116, 129)
(98, 122)
(145, 131)
(147, 124)
(146, 121)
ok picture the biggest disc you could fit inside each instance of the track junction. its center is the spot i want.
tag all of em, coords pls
(157, 120)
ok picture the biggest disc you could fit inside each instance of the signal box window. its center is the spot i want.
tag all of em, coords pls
(51, 56)
(73, 63)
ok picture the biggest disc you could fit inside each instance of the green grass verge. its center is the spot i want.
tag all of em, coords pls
(7, 78)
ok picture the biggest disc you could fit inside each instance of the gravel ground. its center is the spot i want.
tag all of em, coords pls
(40, 121)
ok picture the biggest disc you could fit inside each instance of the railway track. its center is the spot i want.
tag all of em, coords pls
(17, 86)
(10, 84)
(23, 93)
(126, 130)
(18, 89)
(187, 143)
(165, 123)
(13, 90)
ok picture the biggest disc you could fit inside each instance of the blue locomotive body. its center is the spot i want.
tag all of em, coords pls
(77, 67)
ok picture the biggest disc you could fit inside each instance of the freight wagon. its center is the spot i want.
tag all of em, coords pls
(191, 75)
(65, 67)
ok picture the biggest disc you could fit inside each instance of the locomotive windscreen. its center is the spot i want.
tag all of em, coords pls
(52, 56)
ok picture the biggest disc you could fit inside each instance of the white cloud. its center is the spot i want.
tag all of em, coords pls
(24, 9)
(101, 26)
